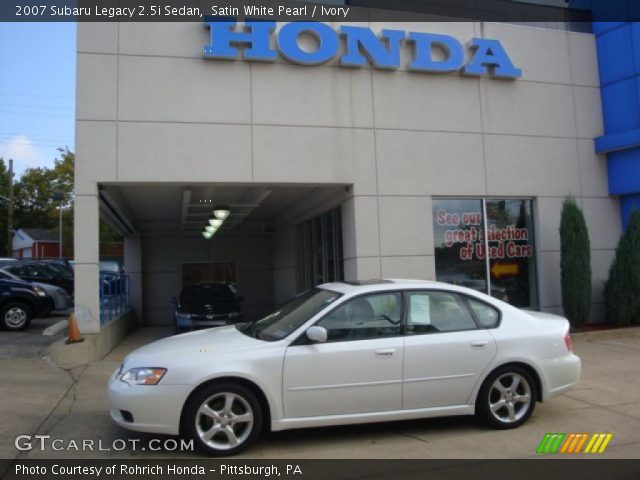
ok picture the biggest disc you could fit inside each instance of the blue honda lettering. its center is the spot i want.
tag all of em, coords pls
(255, 35)
(326, 37)
(378, 54)
(425, 43)
(490, 59)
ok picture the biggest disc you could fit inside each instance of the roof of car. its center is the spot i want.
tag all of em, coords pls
(381, 284)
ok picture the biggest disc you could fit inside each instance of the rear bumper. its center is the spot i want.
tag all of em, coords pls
(560, 375)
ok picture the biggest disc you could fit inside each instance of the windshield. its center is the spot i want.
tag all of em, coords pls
(207, 294)
(291, 315)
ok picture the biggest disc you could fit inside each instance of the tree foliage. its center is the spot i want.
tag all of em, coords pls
(575, 263)
(622, 289)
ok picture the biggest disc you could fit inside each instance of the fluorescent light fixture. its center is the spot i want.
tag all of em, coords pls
(221, 212)
(215, 222)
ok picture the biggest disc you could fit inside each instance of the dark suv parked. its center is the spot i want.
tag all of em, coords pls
(19, 303)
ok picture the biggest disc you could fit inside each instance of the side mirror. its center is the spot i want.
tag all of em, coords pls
(317, 334)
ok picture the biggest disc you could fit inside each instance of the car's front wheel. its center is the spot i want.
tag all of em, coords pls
(223, 418)
(15, 316)
(507, 397)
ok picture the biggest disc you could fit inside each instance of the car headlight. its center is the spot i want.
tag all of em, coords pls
(143, 376)
(183, 315)
(234, 314)
(39, 291)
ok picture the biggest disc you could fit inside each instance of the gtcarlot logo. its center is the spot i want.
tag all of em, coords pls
(26, 443)
(574, 443)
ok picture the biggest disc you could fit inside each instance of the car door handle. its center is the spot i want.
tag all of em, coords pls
(479, 343)
(385, 353)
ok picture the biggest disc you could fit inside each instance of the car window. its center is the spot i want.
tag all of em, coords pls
(372, 316)
(433, 312)
(208, 294)
(487, 316)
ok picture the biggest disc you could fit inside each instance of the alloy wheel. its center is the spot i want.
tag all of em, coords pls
(224, 421)
(15, 317)
(509, 397)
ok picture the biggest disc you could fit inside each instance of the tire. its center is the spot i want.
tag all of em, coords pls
(15, 316)
(234, 428)
(503, 405)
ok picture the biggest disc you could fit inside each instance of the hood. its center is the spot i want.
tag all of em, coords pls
(212, 340)
(197, 308)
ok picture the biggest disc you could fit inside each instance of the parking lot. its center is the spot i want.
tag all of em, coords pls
(40, 398)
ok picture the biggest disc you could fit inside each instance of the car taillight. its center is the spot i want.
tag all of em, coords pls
(567, 342)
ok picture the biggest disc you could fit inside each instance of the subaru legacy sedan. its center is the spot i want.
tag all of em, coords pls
(342, 353)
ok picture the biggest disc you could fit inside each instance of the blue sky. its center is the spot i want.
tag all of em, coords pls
(37, 92)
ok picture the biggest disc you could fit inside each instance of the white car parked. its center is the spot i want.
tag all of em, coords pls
(348, 353)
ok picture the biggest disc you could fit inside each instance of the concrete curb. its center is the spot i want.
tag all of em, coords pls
(625, 332)
(55, 328)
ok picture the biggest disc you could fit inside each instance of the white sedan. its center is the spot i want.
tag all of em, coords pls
(344, 353)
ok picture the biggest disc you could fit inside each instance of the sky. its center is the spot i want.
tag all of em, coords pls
(37, 92)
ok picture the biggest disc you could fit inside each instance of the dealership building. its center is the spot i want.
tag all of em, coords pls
(343, 151)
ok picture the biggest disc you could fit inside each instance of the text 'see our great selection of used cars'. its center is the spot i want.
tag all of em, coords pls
(345, 353)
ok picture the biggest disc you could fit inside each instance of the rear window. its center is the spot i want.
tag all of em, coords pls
(207, 294)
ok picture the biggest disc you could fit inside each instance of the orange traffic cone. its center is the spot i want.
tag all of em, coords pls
(74, 333)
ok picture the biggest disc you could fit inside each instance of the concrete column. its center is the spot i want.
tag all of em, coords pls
(361, 238)
(87, 258)
(133, 268)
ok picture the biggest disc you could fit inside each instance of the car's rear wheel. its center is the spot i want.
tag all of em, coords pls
(223, 419)
(507, 397)
(15, 316)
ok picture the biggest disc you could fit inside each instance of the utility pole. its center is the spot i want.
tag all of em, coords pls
(10, 212)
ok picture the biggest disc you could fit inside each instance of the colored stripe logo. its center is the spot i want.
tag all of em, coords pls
(574, 443)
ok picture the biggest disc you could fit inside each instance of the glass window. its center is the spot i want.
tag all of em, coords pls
(320, 250)
(458, 228)
(433, 312)
(372, 316)
(460, 231)
(511, 251)
(487, 316)
(291, 315)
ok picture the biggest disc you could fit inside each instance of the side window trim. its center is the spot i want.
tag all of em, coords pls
(302, 339)
(467, 302)
(464, 299)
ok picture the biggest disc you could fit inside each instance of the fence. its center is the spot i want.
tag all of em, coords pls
(115, 296)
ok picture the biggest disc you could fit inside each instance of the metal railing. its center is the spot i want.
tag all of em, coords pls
(115, 296)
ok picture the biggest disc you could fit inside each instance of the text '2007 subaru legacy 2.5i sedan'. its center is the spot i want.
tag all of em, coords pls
(348, 353)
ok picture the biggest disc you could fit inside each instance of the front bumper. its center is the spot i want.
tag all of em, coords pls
(153, 408)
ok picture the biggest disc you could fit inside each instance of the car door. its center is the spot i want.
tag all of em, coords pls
(357, 370)
(445, 351)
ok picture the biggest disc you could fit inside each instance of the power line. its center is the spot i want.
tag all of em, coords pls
(34, 95)
(38, 114)
(23, 105)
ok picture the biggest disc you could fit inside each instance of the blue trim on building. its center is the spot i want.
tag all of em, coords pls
(618, 45)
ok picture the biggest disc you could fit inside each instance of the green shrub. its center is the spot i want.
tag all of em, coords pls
(575, 263)
(622, 289)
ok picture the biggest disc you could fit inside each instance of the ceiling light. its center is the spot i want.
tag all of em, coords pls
(207, 235)
(221, 212)
(215, 222)
(211, 229)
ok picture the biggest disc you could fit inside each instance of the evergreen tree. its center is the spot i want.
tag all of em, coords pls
(575, 263)
(622, 290)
